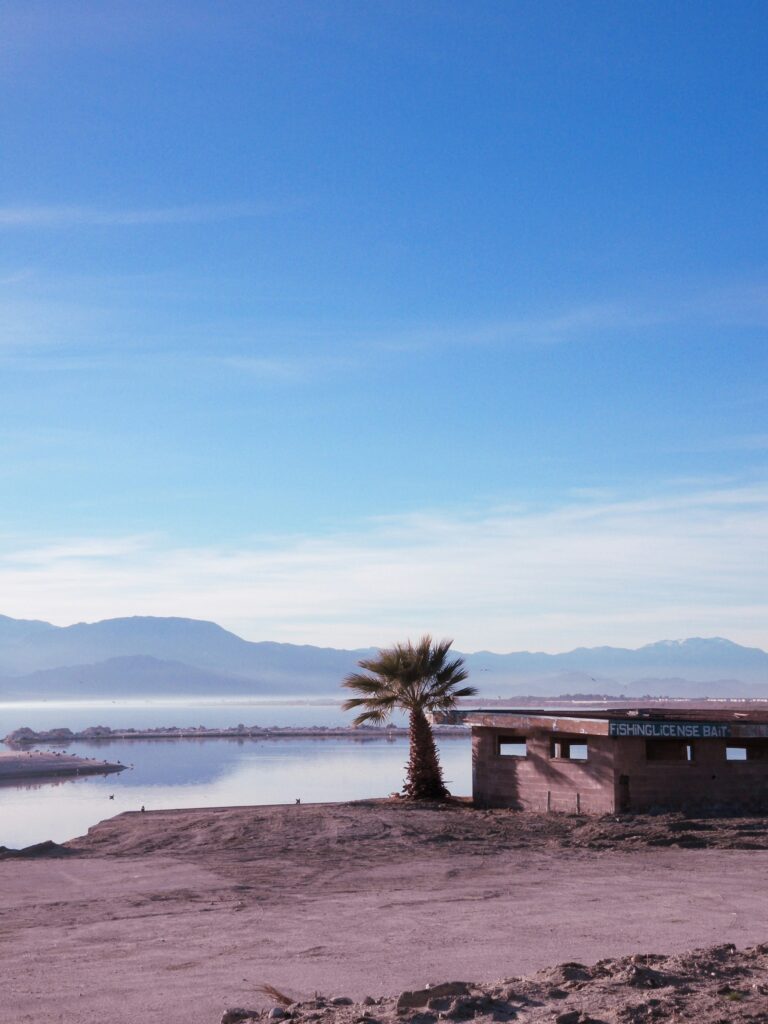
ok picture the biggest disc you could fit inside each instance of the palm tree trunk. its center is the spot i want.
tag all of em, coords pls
(424, 776)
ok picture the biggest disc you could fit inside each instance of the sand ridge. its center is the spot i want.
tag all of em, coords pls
(16, 766)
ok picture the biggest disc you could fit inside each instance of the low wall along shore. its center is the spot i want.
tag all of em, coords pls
(27, 737)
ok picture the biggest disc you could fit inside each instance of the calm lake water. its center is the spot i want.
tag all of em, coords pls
(205, 772)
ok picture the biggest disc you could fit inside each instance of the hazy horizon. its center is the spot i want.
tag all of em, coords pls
(661, 642)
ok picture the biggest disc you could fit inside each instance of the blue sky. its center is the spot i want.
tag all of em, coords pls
(335, 322)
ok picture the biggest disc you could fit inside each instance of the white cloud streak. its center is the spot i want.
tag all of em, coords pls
(586, 573)
(744, 443)
(93, 216)
(740, 306)
(282, 369)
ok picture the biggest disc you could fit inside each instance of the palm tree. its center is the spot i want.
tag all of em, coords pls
(417, 679)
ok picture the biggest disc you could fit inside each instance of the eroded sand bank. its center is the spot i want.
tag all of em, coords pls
(35, 764)
(173, 916)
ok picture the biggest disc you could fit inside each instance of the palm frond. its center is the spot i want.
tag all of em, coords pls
(465, 691)
(411, 676)
(376, 716)
(274, 993)
(384, 702)
(353, 702)
(364, 684)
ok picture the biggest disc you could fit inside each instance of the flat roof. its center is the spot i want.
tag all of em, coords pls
(602, 714)
(618, 722)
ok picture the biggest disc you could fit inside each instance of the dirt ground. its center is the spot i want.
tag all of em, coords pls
(706, 986)
(175, 916)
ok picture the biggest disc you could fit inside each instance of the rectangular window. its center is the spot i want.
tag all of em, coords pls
(749, 750)
(512, 746)
(669, 750)
(568, 750)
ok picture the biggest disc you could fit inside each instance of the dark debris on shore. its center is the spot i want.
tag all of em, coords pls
(717, 985)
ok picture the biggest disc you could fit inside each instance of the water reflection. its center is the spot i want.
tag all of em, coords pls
(214, 773)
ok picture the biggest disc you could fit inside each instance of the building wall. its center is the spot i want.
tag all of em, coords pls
(538, 782)
(708, 782)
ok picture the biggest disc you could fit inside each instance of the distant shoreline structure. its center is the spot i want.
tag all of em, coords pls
(25, 737)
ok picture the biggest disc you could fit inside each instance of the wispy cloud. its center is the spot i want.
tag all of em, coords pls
(590, 571)
(741, 443)
(744, 303)
(94, 216)
(15, 277)
(282, 369)
(733, 305)
(79, 550)
(543, 329)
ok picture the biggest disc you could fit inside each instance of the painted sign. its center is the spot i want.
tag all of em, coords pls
(668, 730)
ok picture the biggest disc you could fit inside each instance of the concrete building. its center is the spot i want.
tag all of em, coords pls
(608, 761)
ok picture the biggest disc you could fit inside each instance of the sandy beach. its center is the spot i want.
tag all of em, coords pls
(173, 916)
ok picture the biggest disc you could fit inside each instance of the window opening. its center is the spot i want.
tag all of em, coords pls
(750, 750)
(568, 750)
(669, 750)
(513, 746)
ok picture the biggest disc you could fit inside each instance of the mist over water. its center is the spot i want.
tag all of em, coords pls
(203, 772)
(212, 712)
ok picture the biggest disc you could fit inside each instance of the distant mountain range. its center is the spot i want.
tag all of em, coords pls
(145, 656)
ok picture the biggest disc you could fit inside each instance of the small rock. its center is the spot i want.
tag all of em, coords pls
(569, 1017)
(422, 996)
(237, 1014)
(369, 1001)
(277, 1013)
(462, 1008)
(341, 1001)
(641, 977)
(573, 971)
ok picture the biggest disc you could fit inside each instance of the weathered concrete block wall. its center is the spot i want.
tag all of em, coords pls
(709, 781)
(539, 782)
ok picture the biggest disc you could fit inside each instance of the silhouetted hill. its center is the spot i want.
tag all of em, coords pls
(31, 647)
(135, 676)
(172, 656)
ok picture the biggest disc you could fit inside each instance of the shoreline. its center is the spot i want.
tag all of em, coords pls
(21, 738)
(20, 766)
